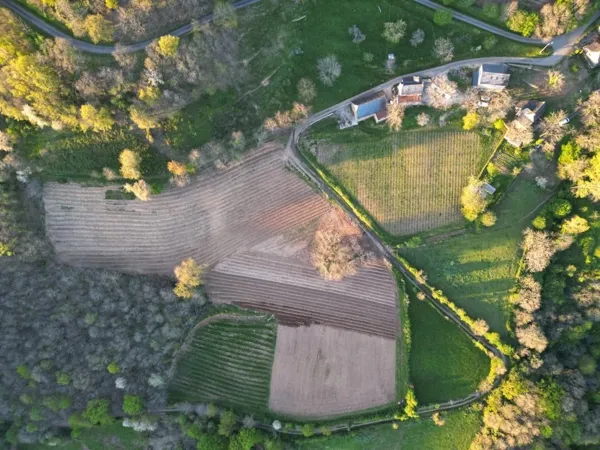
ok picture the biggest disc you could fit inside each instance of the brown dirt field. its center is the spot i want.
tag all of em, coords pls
(324, 371)
(215, 216)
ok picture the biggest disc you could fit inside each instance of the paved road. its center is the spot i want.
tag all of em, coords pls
(97, 48)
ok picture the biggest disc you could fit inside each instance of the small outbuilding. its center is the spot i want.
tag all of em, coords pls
(491, 76)
(488, 188)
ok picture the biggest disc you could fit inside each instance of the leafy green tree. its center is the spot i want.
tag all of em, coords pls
(394, 31)
(97, 119)
(168, 45)
(113, 368)
(227, 423)
(470, 120)
(211, 442)
(539, 222)
(561, 208)
(308, 429)
(98, 28)
(24, 372)
(133, 405)
(523, 22)
(62, 378)
(574, 225)
(442, 18)
(247, 439)
(98, 412)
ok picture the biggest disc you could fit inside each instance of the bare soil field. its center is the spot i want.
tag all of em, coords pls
(292, 289)
(324, 371)
(215, 216)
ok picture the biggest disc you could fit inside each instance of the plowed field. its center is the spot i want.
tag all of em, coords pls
(323, 371)
(208, 220)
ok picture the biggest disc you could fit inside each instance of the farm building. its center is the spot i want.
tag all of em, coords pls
(488, 188)
(491, 76)
(373, 105)
(409, 90)
(530, 111)
(592, 54)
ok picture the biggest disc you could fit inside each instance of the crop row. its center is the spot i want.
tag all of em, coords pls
(229, 363)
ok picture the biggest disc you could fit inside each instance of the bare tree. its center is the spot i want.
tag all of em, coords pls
(538, 248)
(329, 69)
(590, 110)
(331, 256)
(443, 49)
(532, 337)
(417, 37)
(519, 133)
(551, 129)
(307, 90)
(395, 116)
(140, 189)
(480, 327)
(441, 92)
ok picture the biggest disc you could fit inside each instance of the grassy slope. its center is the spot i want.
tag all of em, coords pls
(100, 438)
(460, 429)
(324, 30)
(412, 190)
(444, 362)
(228, 363)
(476, 270)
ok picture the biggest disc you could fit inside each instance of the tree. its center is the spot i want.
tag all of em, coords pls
(357, 35)
(329, 69)
(143, 119)
(395, 116)
(561, 208)
(331, 256)
(97, 119)
(519, 133)
(423, 119)
(589, 184)
(491, 10)
(307, 90)
(574, 225)
(133, 405)
(111, 4)
(227, 423)
(113, 368)
(130, 164)
(532, 337)
(523, 22)
(470, 120)
(441, 91)
(556, 80)
(176, 168)
(480, 327)
(5, 142)
(488, 219)
(551, 129)
(98, 28)
(442, 18)
(224, 15)
(168, 45)
(538, 248)
(590, 110)
(473, 199)
(438, 419)
(308, 430)
(188, 275)
(587, 365)
(140, 189)
(394, 31)
(417, 37)
(443, 49)
(98, 412)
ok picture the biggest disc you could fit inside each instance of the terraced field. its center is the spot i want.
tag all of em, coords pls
(228, 362)
(208, 220)
(324, 371)
(290, 288)
(409, 181)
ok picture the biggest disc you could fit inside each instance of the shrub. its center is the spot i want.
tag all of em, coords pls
(490, 42)
(466, 3)
(307, 90)
(587, 365)
(417, 37)
(168, 45)
(325, 431)
(423, 119)
(561, 208)
(368, 57)
(357, 35)
(308, 430)
(24, 372)
(442, 18)
(488, 219)
(188, 275)
(539, 222)
(438, 419)
(132, 405)
(176, 168)
(212, 410)
(523, 22)
(394, 31)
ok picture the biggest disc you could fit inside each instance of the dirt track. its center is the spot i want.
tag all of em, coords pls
(323, 371)
(208, 220)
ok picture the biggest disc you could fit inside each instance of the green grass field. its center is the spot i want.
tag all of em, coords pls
(228, 363)
(76, 156)
(408, 181)
(113, 436)
(291, 48)
(457, 434)
(444, 362)
(477, 269)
